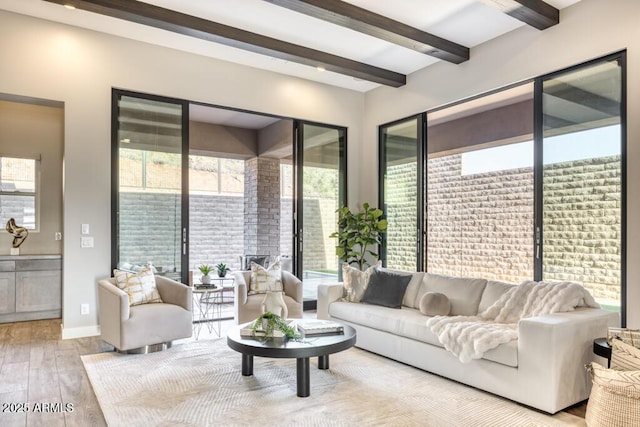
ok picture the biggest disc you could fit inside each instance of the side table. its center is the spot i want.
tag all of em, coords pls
(208, 301)
(602, 348)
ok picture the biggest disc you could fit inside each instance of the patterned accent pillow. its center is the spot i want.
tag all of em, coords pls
(265, 279)
(140, 286)
(624, 357)
(355, 281)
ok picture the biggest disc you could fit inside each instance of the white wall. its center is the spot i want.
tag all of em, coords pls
(587, 30)
(78, 67)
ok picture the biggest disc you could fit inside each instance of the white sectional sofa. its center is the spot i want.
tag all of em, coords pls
(543, 368)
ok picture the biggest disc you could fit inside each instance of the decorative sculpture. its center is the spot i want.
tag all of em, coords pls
(19, 233)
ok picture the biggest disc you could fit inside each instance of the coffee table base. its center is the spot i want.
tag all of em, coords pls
(302, 371)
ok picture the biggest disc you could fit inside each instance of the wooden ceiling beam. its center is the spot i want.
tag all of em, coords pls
(170, 20)
(535, 13)
(362, 20)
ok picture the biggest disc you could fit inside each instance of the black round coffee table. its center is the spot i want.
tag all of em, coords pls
(320, 346)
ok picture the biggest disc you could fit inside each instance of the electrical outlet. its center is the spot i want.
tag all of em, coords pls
(58, 235)
(84, 308)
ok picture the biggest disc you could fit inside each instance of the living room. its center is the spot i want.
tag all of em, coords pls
(78, 68)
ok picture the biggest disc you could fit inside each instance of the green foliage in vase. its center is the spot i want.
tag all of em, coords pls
(273, 322)
(358, 233)
(205, 269)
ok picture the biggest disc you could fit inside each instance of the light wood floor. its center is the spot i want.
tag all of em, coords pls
(38, 367)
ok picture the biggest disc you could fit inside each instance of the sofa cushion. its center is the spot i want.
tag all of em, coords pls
(355, 281)
(464, 293)
(409, 323)
(492, 292)
(435, 304)
(386, 289)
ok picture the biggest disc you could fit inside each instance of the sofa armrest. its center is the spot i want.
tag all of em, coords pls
(113, 301)
(292, 286)
(328, 293)
(175, 293)
(553, 349)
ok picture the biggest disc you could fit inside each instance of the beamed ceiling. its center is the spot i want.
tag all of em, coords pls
(356, 44)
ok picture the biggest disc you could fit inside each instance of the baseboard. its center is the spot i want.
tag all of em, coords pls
(81, 332)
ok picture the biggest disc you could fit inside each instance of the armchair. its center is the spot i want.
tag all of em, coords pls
(147, 327)
(248, 307)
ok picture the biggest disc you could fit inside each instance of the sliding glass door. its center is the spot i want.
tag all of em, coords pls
(581, 219)
(321, 189)
(401, 190)
(525, 183)
(150, 140)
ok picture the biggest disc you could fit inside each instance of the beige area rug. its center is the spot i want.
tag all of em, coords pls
(200, 384)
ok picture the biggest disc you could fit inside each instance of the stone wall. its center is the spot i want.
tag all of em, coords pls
(582, 216)
(401, 198)
(482, 225)
(479, 225)
(320, 220)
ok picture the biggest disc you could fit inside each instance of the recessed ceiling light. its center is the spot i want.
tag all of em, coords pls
(125, 141)
(69, 6)
(321, 68)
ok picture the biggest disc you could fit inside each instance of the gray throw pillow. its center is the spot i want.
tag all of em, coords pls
(435, 304)
(386, 289)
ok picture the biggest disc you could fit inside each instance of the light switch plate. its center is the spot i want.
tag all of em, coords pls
(85, 228)
(86, 242)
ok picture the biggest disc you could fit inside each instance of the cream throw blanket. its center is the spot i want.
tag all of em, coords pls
(469, 337)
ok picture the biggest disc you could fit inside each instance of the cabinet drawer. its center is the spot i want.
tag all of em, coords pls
(38, 264)
(7, 265)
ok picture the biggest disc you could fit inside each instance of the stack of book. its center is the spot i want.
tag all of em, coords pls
(318, 327)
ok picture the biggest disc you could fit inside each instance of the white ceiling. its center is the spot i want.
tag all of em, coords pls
(466, 22)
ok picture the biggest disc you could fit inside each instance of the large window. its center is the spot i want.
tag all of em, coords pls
(525, 183)
(401, 192)
(19, 191)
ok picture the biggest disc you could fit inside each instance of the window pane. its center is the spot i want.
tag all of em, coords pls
(150, 197)
(582, 178)
(17, 174)
(480, 198)
(20, 208)
(481, 221)
(401, 194)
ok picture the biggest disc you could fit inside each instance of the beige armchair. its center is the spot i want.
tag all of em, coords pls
(248, 307)
(147, 327)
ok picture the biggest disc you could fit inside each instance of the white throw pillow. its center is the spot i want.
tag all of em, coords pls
(355, 281)
(265, 279)
(140, 286)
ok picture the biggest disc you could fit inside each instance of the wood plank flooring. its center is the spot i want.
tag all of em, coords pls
(38, 367)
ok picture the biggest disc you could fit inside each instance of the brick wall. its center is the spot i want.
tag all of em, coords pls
(148, 221)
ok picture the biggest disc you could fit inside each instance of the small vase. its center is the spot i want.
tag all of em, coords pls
(206, 280)
(274, 302)
(222, 273)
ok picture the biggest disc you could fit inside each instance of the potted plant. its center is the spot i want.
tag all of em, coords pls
(268, 322)
(358, 233)
(205, 269)
(222, 269)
